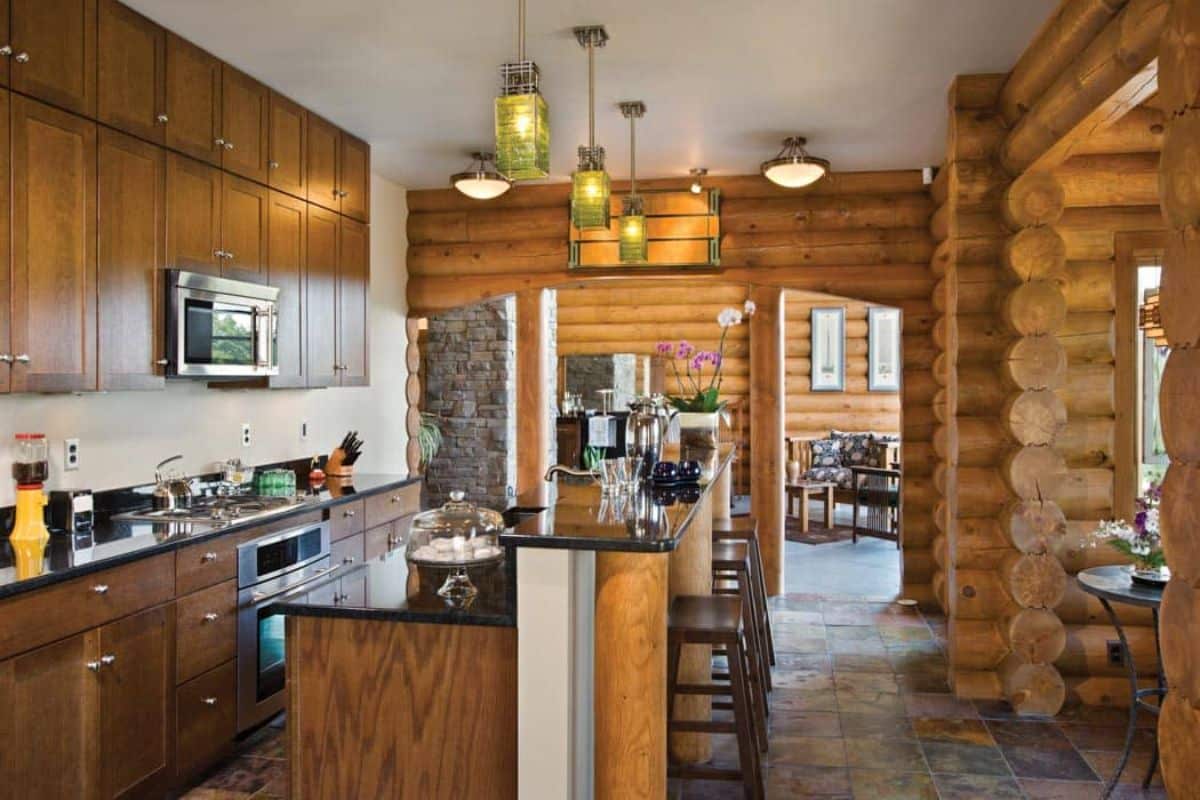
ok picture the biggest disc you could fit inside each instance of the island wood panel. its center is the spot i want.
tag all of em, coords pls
(533, 388)
(401, 710)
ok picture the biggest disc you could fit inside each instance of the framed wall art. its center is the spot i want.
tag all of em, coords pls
(883, 349)
(828, 352)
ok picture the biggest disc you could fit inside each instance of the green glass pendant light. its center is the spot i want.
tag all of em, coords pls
(591, 189)
(522, 117)
(631, 230)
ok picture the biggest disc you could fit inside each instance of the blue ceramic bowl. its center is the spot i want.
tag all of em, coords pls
(665, 472)
(689, 471)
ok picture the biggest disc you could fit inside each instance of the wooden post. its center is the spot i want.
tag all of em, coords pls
(412, 391)
(630, 695)
(1179, 85)
(767, 430)
(533, 387)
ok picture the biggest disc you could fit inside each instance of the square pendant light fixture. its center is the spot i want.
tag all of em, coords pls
(591, 189)
(631, 229)
(522, 117)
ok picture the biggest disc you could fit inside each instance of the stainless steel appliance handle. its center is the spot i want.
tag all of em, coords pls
(262, 336)
(257, 598)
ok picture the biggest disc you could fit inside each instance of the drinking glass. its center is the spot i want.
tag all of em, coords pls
(610, 478)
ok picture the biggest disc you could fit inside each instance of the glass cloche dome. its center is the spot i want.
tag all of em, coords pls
(456, 536)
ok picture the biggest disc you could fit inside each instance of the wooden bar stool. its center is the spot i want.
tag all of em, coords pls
(716, 620)
(731, 562)
(746, 529)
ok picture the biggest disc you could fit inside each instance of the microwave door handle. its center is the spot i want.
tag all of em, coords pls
(262, 340)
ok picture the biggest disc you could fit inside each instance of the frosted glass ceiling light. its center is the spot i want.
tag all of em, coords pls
(480, 182)
(793, 167)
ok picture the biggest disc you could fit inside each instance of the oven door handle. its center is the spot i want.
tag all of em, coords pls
(258, 598)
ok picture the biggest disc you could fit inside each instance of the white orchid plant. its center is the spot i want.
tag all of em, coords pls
(1141, 540)
(705, 397)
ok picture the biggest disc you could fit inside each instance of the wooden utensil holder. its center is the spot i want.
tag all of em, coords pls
(336, 465)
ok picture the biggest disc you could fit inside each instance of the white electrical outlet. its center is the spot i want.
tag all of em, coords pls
(245, 434)
(70, 455)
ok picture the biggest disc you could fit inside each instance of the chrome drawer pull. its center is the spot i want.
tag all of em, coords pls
(211, 616)
(209, 556)
(107, 659)
(94, 666)
(348, 513)
(209, 701)
(100, 588)
(21, 58)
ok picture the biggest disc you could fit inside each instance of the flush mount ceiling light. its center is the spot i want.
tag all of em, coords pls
(631, 233)
(480, 182)
(591, 189)
(697, 174)
(793, 167)
(522, 118)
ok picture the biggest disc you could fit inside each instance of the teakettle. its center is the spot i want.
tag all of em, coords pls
(646, 429)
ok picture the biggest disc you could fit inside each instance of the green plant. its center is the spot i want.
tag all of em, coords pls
(592, 456)
(429, 436)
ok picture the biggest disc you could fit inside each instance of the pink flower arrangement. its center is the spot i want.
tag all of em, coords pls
(706, 397)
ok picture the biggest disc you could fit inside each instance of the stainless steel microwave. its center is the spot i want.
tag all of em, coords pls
(220, 328)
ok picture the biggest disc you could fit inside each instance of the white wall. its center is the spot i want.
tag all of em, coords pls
(124, 434)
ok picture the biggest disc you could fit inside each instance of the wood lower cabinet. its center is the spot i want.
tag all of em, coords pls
(245, 125)
(193, 101)
(244, 212)
(137, 686)
(346, 519)
(206, 622)
(321, 332)
(53, 249)
(131, 72)
(286, 249)
(353, 258)
(324, 152)
(354, 184)
(206, 720)
(54, 52)
(288, 145)
(193, 216)
(130, 257)
(5, 236)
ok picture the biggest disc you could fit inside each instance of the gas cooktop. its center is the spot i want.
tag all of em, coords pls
(218, 510)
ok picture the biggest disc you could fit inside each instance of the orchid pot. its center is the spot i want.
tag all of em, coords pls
(698, 431)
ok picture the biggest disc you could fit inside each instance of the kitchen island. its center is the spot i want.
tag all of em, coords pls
(550, 684)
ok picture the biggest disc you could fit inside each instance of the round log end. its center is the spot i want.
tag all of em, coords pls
(1035, 527)
(1037, 635)
(1034, 308)
(1033, 199)
(1179, 520)
(1035, 473)
(1036, 254)
(1179, 59)
(1032, 689)
(1035, 580)
(1179, 743)
(1179, 616)
(1035, 417)
(1180, 292)
(1179, 404)
(1179, 171)
(1036, 362)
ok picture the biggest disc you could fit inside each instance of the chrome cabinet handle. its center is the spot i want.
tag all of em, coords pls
(218, 253)
(6, 50)
(162, 362)
(209, 556)
(162, 119)
(23, 358)
(21, 57)
(6, 358)
(273, 164)
(100, 588)
(395, 498)
(94, 666)
(348, 513)
(228, 255)
(208, 701)
(219, 142)
(211, 616)
(228, 145)
(348, 560)
(107, 659)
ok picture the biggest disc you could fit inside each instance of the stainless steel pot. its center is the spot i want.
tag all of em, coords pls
(172, 491)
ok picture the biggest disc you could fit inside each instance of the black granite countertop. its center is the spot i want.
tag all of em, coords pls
(114, 541)
(391, 589)
(576, 515)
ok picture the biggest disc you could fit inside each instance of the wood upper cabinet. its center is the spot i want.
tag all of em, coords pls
(321, 333)
(49, 718)
(53, 249)
(54, 52)
(193, 216)
(193, 101)
(5, 41)
(288, 140)
(245, 125)
(5, 232)
(324, 152)
(354, 185)
(244, 209)
(131, 254)
(286, 257)
(131, 81)
(137, 687)
(353, 257)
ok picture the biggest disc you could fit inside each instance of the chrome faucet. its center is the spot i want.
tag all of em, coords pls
(558, 469)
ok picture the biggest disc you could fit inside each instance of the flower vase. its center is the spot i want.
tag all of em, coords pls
(793, 471)
(1149, 575)
(698, 434)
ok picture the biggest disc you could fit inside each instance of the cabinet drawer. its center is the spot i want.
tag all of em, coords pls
(385, 538)
(203, 564)
(346, 519)
(205, 629)
(390, 505)
(46, 615)
(347, 551)
(206, 720)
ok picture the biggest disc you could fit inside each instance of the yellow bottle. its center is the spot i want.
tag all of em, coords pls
(30, 525)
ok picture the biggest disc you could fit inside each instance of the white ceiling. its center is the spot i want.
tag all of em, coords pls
(723, 80)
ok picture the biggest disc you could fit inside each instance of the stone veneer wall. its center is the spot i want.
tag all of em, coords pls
(470, 371)
(588, 374)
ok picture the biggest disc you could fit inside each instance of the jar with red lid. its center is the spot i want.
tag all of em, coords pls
(31, 462)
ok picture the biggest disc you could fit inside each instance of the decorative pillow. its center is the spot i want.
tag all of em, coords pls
(878, 453)
(826, 453)
(856, 449)
(839, 475)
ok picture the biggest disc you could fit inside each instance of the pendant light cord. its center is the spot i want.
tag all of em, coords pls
(520, 30)
(633, 155)
(591, 95)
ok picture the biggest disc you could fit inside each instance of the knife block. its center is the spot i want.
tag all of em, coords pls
(336, 465)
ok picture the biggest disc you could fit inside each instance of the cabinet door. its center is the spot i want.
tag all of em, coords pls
(5, 237)
(323, 154)
(193, 216)
(206, 720)
(288, 228)
(131, 252)
(53, 249)
(193, 101)
(137, 683)
(353, 256)
(5, 40)
(321, 297)
(355, 174)
(289, 135)
(244, 229)
(245, 125)
(49, 720)
(131, 81)
(54, 52)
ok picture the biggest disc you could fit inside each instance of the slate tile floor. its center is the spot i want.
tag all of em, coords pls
(861, 710)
